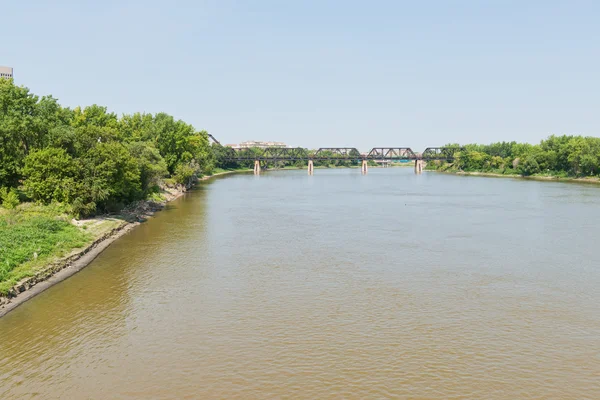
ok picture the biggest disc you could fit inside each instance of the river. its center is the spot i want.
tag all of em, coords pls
(337, 285)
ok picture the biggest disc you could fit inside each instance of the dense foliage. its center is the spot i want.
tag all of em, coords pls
(90, 159)
(573, 156)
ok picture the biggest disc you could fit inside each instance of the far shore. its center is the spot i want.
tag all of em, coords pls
(587, 180)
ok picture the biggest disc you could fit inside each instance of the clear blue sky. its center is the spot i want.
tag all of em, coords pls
(321, 73)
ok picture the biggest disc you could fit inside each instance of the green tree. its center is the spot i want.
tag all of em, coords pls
(111, 177)
(137, 127)
(22, 127)
(94, 115)
(93, 125)
(185, 174)
(151, 165)
(49, 175)
(471, 160)
(177, 141)
(529, 166)
(497, 162)
(221, 156)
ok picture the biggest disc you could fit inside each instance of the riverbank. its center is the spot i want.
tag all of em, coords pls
(552, 178)
(40, 273)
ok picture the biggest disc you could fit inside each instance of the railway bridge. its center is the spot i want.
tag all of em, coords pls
(377, 154)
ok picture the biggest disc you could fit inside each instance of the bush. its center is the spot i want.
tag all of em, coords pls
(10, 198)
(185, 174)
(529, 167)
(81, 209)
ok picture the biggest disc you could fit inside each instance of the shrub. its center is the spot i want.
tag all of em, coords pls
(529, 167)
(80, 208)
(185, 174)
(10, 198)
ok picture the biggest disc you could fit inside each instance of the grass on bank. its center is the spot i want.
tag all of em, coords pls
(32, 236)
(28, 240)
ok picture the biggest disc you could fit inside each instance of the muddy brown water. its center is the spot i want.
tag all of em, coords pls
(337, 285)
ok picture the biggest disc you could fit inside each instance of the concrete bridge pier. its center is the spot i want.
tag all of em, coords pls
(364, 168)
(311, 167)
(256, 167)
(418, 166)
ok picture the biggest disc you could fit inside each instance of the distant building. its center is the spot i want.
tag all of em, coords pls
(257, 143)
(6, 72)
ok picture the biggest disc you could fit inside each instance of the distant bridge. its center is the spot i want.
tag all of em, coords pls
(377, 154)
(341, 153)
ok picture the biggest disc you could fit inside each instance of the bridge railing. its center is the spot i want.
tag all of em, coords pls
(391, 153)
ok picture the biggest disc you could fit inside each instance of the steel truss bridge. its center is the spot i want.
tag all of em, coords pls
(341, 153)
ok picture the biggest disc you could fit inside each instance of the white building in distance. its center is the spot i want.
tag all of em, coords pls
(257, 143)
(6, 72)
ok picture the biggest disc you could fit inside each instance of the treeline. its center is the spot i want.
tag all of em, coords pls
(562, 156)
(89, 159)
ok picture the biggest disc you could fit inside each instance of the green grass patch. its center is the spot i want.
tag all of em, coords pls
(29, 240)
(156, 197)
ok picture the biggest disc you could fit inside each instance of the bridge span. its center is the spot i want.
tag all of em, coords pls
(377, 154)
(380, 155)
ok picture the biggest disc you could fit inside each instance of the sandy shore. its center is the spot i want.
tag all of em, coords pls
(63, 268)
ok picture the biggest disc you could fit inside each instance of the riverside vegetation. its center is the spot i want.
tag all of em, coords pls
(58, 163)
(558, 156)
